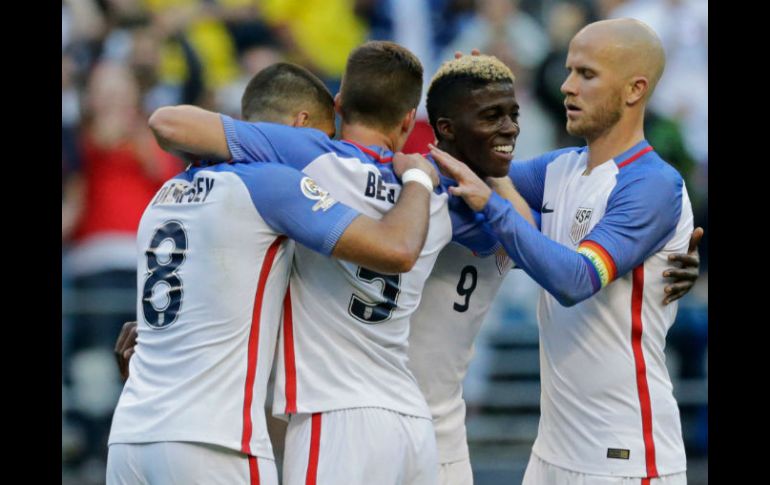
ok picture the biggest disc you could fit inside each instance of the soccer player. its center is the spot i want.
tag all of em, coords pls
(357, 414)
(213, 269)
(473, 111)
(612, 212)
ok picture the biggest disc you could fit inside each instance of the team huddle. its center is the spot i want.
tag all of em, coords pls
(359, 276)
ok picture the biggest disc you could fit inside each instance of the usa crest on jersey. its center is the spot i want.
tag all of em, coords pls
(580, 224)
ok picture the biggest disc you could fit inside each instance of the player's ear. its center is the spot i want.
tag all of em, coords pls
(446, 130)
(301, 119)
(338, 104)
(636, 90)
(407, 124)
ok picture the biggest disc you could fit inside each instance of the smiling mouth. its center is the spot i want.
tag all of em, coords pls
(506, 149)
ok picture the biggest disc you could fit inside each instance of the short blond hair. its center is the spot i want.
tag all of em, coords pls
(483, 68)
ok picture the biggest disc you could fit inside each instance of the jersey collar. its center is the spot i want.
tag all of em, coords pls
(632, 154)
(379, 154)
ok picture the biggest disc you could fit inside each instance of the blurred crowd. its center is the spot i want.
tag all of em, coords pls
(121, 59)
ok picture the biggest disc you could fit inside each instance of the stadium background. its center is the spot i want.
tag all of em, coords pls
(121, 59)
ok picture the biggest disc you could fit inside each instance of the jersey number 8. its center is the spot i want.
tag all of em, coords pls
(162, 293)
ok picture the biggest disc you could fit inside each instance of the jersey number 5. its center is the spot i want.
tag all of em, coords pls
(162, 293)
(380, 312)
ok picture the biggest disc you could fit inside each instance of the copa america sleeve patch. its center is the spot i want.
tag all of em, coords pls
(313, 191)
(601, 262)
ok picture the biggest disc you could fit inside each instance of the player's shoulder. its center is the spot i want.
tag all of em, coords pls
(650, 169)
(188, 174)
(269, 172)
(649, 179)
(566, 151)
(300, 134)
(567, 154)
(378, 157)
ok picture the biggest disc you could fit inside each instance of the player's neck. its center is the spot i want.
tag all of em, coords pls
(450, 149)
(615, 141)
(366, 135)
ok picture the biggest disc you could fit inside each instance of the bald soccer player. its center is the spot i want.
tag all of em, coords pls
(612, 214)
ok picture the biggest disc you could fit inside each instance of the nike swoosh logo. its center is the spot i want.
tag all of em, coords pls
(545, 210)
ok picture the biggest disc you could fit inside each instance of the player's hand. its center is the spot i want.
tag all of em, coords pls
(124, 347)
(403, 162)
(470, 187)
(686, 274)
(474, 52)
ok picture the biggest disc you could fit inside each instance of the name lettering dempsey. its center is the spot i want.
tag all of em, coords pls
(182, 192)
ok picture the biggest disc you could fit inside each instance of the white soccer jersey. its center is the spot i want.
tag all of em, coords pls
(213, 265)
(345, 343)
(607, 406)
(456, 298)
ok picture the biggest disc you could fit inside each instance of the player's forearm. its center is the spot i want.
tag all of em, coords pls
(407, 222)
(191, 131)
(564, 273)
(392, 244)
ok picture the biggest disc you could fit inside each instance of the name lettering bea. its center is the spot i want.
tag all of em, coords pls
(184, 192)
(376, 188)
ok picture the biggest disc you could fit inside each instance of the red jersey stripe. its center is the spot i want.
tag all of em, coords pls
(253, 346)
(288, 355)
(253, 471)
(315, 448)
(635, 157)
(371, 152)
(637, 295)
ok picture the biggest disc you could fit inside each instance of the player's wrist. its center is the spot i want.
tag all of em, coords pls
(419, 176)
(484, 201)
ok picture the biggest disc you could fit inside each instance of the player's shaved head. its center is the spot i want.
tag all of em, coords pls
(280, 91)
(629, 45)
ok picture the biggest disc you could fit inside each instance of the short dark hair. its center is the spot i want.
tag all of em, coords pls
(283, 88)
(456, 78)
(381, 84)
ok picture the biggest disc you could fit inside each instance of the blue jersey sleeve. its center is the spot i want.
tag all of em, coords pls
(269, 142)
(528, 176)
(470, 229)
(293, 204)
(641, 215)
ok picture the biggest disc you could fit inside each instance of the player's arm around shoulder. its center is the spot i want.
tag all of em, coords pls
(394, 243)
(190, 132)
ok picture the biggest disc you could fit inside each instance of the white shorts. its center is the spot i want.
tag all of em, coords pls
(170, 462)
(540, 472)
(361, 446)
(456, 473)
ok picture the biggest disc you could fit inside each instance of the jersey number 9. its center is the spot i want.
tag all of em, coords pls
(469, 272)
